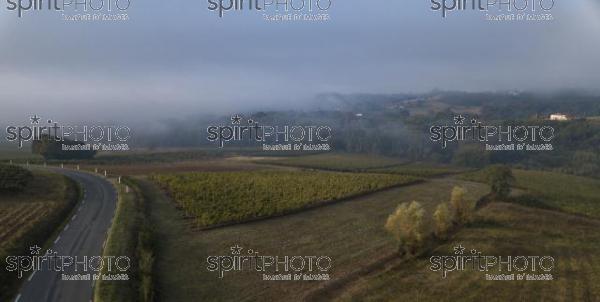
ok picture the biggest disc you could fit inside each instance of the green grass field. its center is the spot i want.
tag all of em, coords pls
(335, 161)
(351, 233)
(216, 198)
(500, 229)
(569, 193)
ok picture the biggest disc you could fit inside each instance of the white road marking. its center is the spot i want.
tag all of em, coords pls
(74, 216)
(57, 239)
(18, 297)
(31, 276)
(66, 227)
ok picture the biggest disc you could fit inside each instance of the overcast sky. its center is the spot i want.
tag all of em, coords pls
(177, 58)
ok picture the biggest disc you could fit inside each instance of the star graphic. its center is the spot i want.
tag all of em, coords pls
(35, 250)
(236, 119)
(35, 119)
(459, 249)
(236, 250)
(459, 119)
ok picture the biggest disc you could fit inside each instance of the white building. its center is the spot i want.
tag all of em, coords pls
(558, 117)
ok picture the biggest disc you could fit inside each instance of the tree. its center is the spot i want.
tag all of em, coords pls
(463, 209)
(500, 179)
(470, 156)
(443, 221)
(14, 178)
(406, 225)
(52, 148)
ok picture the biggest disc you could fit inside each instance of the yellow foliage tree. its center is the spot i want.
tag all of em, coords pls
(443, 221)
(463, 209)
(406, 225)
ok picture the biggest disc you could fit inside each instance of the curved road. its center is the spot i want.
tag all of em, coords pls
(83, 235)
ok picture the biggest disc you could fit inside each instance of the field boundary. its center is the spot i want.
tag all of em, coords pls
(357, 170)
(373, 170)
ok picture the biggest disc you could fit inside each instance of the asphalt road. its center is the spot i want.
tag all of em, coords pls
(84, 235)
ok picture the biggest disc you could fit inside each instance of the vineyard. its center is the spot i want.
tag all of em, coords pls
(19, 212)
(29, 217)
(216, 198)
(15, 219)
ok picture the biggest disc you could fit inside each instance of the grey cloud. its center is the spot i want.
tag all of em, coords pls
(175, 57)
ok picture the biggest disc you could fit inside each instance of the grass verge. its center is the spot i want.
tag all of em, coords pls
(130, 235)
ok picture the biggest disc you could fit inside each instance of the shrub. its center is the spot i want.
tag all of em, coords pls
(406, 225)
(463, 209)
(500, 179)
(443, 221)
(14, 178)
